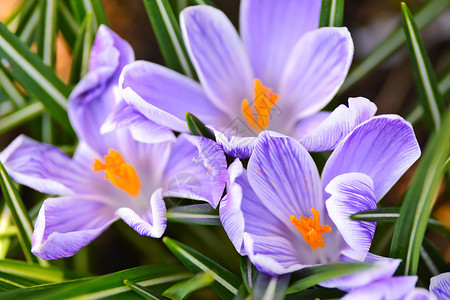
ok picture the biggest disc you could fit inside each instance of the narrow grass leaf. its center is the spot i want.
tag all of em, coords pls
(27, 35)
(67, 24)
(11, 282)
(183, 289)
(25, 15)
(271, 287)
(423, 71)
(169, 38)
(432, 259)
(226, 283)
(143, 292)
(316, 293)
(46, 43)
(419, 200)
(202, 214)
(81, 51)
(10, 89)
(203, 2)
(38, 79)
(311, 276)
(19, 215)
(331, 13)
(21, 116)
(248, 272)
(197, 127)
(5, 221)
(97, 9)
(428, 13)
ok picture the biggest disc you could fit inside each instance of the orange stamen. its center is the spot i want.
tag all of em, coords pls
(263, 102)
(311, 229)
(121, 174)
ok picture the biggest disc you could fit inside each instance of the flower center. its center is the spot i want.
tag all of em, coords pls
(311, 229)
(263, 101)
(121, 174)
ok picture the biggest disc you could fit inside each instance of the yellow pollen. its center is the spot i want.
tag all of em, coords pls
(263, 102)
(311, 229)
(121, 174)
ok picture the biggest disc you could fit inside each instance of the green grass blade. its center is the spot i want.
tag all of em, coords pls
(31, 27)
(48, 32)
(331, 13)
(271, 287)
(169, 38)
(226, 283)
(316, 293)
(82, 50)
(67, 24)
(10, 89)
(99, 12)
(5, 221)
(393, 42)
(196, 127)
(11, 282)
(423, 71)
(143, 292)
(37, 78)
(25, 16)
(432, 259)
(419, 199)
(314, 275)
(21, 116)
(248, 272)
(202, 214)
(19, 215)
(182, 289)
(203, 2)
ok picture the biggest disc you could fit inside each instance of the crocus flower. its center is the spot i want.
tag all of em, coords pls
(277, 77)
(440, 286)
(112, 175)
(284, 216)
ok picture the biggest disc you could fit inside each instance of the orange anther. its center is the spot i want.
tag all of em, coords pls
(121, 174)
(311, 229)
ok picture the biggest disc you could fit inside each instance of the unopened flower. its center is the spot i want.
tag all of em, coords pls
(284, 216)
(277, 77)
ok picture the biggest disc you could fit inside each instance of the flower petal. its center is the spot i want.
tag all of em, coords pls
(350, 194)
(421, 294)
(270, 29)
(218, 56)
(285, 177)
(383, 147)
(164, 96)
(93, 99)
(42, 167)
(380, 270)
(240, 147)
(152, 223)
(142, 129)
(315, 70)
(390, 288)
(65, 225)
(340, 122)
(197, 169)
(308, 124)
(440, 286)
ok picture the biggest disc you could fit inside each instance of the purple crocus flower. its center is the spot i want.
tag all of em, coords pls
(111, 175)
(277, 77)
(285, 217)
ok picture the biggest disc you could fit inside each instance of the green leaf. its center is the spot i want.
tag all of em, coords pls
(81, 51)
(423, 71)
(21, 116)
(67, 24)
(419, 199)
(316, 293)
(202, 214)
(314, 275)
(196, 127)
(248, 272)
(393, 42)
(48, 21)
(169, 38)
(271, 287)
(30, 26)
(10, 89)
(143, 292)
(19, 215)
(331, 13)
(203, 2)
(111, 285)
(25, 16)
(37, 78)
(181, 290)
(11, 282)
(5, 221)
(226, 283)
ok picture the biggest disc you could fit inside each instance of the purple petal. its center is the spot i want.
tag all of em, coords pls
(284, 176)
(164, 96)
(308, 124)
(240, 147)
(43, 167)
(270, 29)
(421, 294)
(93, 99)
(65, 225)
(440, 286)
(340, 122)
(218, 56)
(197, 169)
(380, 270)
(141, 129)
(352, 193)
(230, 211)
(150, 223)
(391, 288)
(315, 70)
(383, 147)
